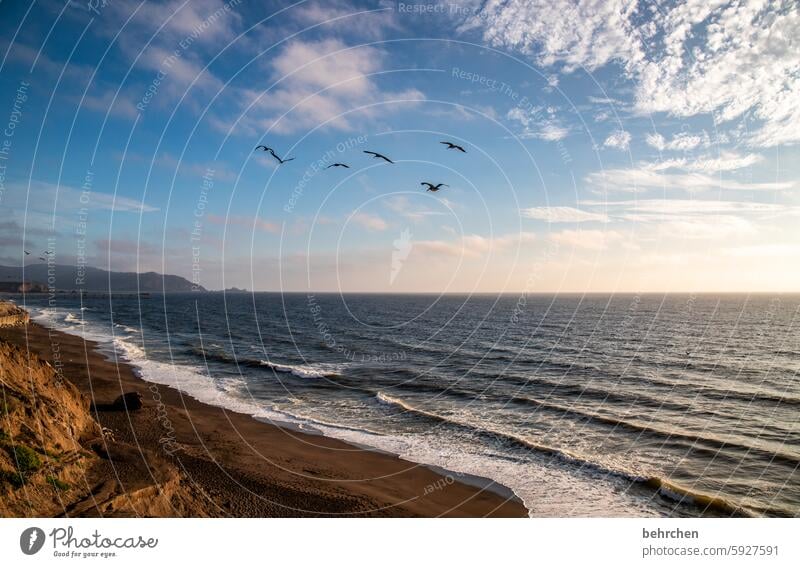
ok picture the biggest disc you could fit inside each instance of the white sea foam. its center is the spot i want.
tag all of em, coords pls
(320, 370)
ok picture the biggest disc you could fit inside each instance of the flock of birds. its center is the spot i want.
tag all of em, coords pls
(46, 253)
(430, 186)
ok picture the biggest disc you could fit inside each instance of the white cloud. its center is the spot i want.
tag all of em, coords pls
(320, 82)
(735, 59)
(645, 177)
(370, 222)
(580, 34)
(538, 122)
(472, 245)
(682, 141)
(49, 198)
(725, 161)
(686, 206)
(415, 212)
(619, 139)
(562, 214)
(693, 219)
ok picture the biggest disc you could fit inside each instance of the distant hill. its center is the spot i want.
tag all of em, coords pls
(97, 280)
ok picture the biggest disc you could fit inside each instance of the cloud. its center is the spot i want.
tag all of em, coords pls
(687, 206)
(214, 170)
(683, 141)
(693, 219)
(370, 222)
(401, 205)
(725, 161)
(620, 139)
(579, 34)
(105, 102)
(343, 16)
(318, 82)
(200, 23)
(562, 214)
(536, 124)
(645, 177)
(51, 197)
(732, 59)
(472, 245)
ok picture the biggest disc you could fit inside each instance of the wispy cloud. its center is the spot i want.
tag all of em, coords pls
(472, 245)
(370, 222)
(324, 82)
(686, 58)
(562, 214)
(645, 177)
(51, 198)
(538, 122)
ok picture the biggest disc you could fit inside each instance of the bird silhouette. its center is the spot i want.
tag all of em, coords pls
(432, 187)
(27, 253)
(452, 146)
(271, 151)
(42, 259)
(377, 155)
(338, 165)
(47, 252)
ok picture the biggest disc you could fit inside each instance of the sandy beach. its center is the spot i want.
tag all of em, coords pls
(207, 461)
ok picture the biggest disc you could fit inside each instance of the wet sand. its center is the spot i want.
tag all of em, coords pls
(234, 465)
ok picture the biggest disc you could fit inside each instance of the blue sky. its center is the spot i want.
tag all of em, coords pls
(611, 146)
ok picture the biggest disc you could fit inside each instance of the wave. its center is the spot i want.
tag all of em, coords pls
(665, 488)
(132, 330)
(320, 370)
(310, 370)
(71, 318)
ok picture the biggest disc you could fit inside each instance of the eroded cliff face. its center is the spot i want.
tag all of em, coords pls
(55, 459)
(44, 424)
(11, 315)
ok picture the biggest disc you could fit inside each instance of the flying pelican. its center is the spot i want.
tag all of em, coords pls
(377, 155)
(338, 165)
(452, 146)
(27, 253)
(42, 259)
(271, 151)
(432, 187)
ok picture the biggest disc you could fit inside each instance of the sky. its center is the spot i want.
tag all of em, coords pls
(611, 146)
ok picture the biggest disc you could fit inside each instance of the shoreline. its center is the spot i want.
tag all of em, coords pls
(237, 465)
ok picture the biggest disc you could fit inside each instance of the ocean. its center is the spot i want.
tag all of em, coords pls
(599, 405)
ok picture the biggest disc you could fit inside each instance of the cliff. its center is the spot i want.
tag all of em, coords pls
(55, 459)
(12, 316)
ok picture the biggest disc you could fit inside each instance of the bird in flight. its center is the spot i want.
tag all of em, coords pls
(271, 151)
(47, 252)
(42, 259)
(432, 187)
(377, 155)
(452, 146)
(338, 165)
(27, 253)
